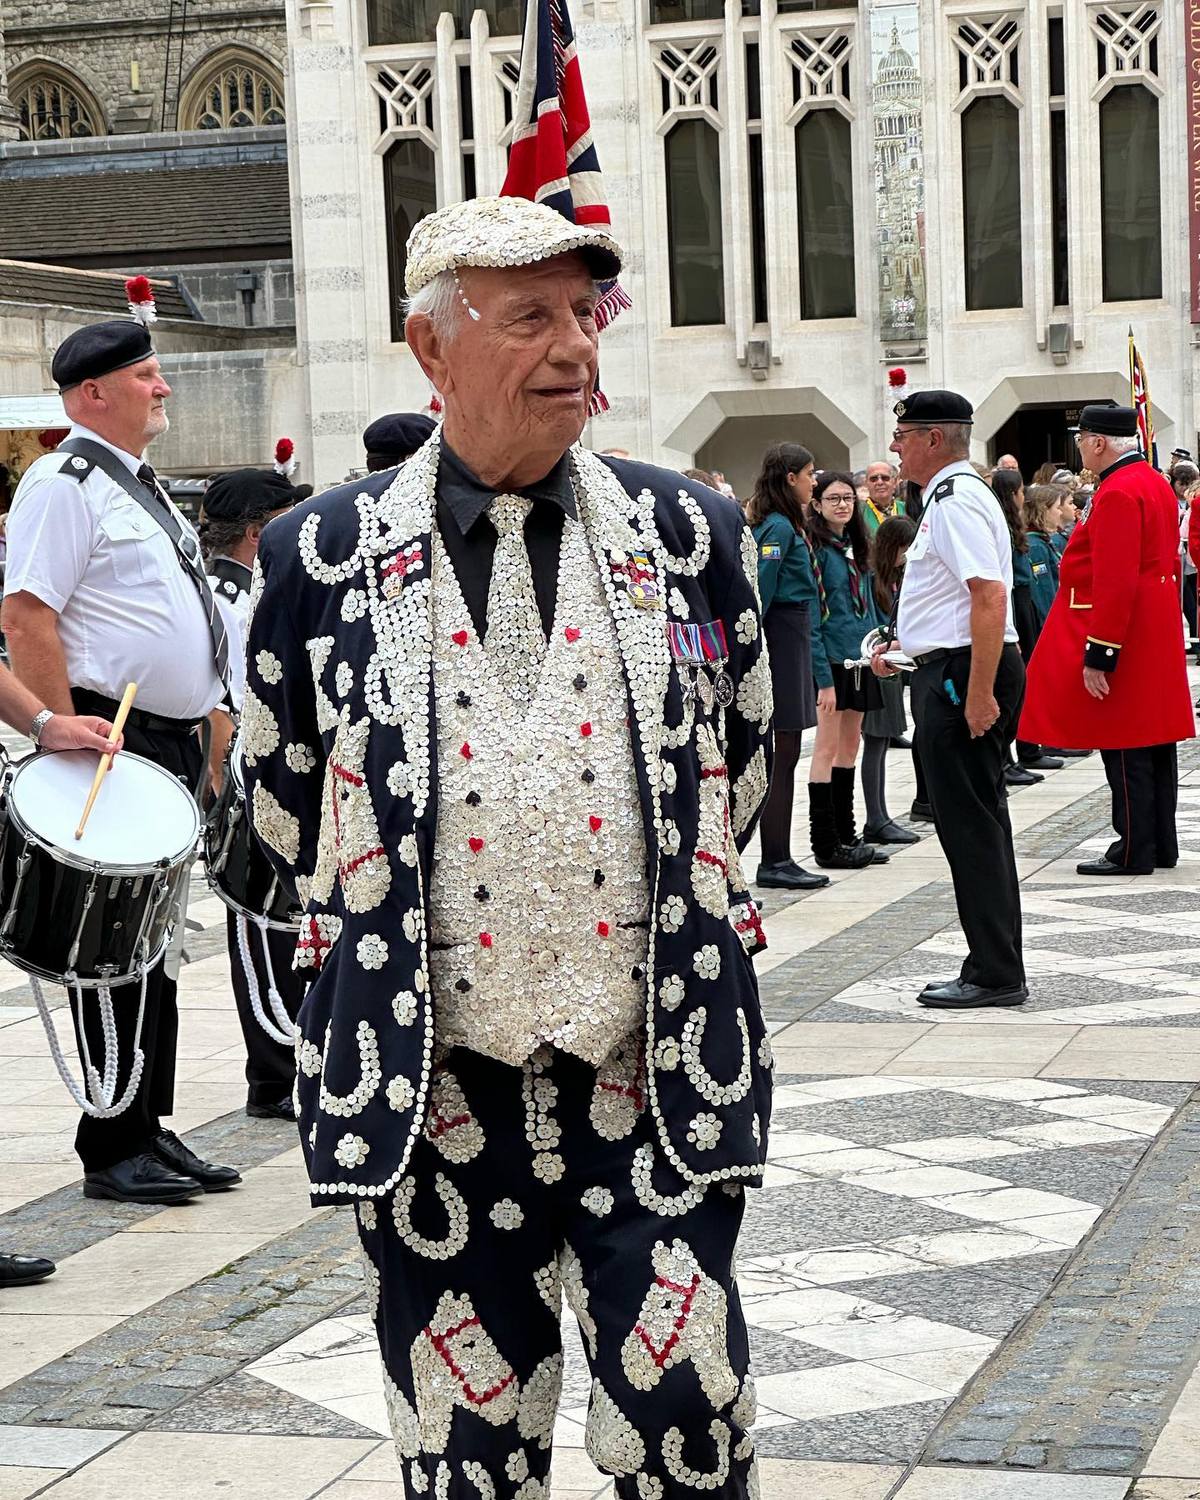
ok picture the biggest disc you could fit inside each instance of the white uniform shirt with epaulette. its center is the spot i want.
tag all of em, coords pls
(962, 535)
(230, 582)
(127, 610)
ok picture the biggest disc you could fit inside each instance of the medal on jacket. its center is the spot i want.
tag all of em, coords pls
(636, 576)
(705, 650)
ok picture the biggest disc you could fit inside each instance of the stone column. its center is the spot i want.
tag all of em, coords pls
(8, 114)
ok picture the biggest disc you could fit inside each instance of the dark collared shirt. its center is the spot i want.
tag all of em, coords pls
(470, 540)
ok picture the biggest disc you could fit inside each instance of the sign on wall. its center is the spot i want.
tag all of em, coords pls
(899, 163)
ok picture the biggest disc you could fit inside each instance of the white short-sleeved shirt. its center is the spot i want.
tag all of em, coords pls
(127, 610)
(234, 609)
(961, 537)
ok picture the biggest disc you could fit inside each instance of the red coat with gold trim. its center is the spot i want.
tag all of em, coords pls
(1117, 609)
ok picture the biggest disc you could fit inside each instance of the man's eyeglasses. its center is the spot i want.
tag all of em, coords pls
(902, 432)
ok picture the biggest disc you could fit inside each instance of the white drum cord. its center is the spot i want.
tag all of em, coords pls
(96, 1098)
(286, 1031)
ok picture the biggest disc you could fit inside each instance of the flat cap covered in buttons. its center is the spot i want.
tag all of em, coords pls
(1108, 421)
(248, 495)
(502, 232)
(397, 435)
(934, 407)
(98, 350)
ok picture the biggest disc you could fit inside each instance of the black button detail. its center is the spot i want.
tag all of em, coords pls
(482, 893)
(598, 877)
(580, 683)
(588, 776)
(637, 972)
(473, 799)
(462, 985)
(463, 700)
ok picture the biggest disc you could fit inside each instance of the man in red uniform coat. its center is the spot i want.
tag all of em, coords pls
(1108, 671)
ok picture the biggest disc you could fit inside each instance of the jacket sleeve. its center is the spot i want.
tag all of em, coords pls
(820, 654)
(284, 758)
(1116, 527)
(770, 567)
(748, 740)
(1193, 531)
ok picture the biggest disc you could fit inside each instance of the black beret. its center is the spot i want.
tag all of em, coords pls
(398, 435)
(1108, 421)
(247, 495)
(99, 349)
(934, 407)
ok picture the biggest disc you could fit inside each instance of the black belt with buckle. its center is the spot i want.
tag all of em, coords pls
(87, 702)
(925, 657)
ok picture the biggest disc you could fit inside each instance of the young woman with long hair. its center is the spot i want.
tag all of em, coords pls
(847, 612)
(787, 585)
(892, 540)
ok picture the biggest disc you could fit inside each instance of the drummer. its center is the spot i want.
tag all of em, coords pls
(237, 506)
(100, 592)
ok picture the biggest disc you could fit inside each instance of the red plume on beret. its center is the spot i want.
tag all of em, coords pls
(285, 464)
(141, 299)
(897, 377)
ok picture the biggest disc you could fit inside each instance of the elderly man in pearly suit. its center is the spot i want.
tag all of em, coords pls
(506, 729)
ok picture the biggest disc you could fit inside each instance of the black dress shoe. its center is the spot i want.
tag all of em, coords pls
(1043, 762)
(921, 812)
(878, 856)
(898, 742)
(141, 1179)
(787, 875)
(959, 995)
(283, 1110)
(171, 1151)
(889, 833)
(1065, 754)
(1106, 867)
(24, 1270)
(1015, 775)
(846, 857)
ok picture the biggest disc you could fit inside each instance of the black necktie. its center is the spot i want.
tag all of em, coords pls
(193, 565)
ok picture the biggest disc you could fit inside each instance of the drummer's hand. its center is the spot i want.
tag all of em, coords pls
(79, 732)
(880, 667)
(826, 700)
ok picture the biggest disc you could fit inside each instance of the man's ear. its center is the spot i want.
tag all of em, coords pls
(429, 350)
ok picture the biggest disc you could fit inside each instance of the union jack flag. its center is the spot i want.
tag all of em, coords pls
(553, 157)
(1139, 392)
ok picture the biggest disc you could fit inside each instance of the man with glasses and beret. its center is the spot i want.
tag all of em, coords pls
(955, 620)
(1109, 669)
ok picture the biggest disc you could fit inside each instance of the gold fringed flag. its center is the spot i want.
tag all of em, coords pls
(1139, 399)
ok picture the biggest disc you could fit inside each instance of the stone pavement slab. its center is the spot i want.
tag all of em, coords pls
(958, 1484)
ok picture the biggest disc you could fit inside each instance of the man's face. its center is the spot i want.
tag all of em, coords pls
(881, 485)
(136, 398)
(524, 373)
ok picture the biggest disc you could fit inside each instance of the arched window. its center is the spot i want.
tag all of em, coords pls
(991, 169)
(54, 108)
(825, 209)
(694, 218)
(409, 193)
(1130, 194)
(235, 90)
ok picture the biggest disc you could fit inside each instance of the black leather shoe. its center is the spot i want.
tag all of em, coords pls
(1106, 867)
(921, 812)
(959, 995)
(283, 1110)
(878, 856)
(788, 876)
(171, 1151)
(1065, 754)
(889, 833)
(846, 857)
(1018, 776)
(898, 742)
(141, 1179)
(24, 1270)
(1043, 762)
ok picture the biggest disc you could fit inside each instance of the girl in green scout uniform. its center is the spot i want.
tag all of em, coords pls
(847, 612)
(882, 725)
(787, 585)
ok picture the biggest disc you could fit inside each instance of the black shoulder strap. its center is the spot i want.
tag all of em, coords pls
(942, 492)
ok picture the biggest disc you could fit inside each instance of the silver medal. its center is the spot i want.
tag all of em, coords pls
(723, 688)
(705, 688)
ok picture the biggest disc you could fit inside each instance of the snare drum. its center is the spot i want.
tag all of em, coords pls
(94, 910)
(238, 869)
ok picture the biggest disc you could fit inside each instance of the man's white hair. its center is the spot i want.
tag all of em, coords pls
(438, 300)
(1124, 444)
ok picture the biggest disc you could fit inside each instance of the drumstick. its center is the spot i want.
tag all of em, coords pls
(106, 759)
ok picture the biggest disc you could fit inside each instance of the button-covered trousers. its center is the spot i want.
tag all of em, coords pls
(530, 1185)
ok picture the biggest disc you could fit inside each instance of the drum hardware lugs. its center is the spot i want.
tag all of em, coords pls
(89, 897)
(10, 916)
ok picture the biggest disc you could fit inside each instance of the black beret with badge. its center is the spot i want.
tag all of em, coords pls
(100, 348)
(1108, 420)
(248, 495)
(932, 407)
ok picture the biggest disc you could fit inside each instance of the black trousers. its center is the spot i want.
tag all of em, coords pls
(965, 777)
(1145, 785)
(103, 1143)
(270, 1066)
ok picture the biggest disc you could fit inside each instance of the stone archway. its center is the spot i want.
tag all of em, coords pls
(1070, 388)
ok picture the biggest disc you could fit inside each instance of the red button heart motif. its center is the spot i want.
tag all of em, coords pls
(595, 823)
(585, 730)
(485, 938)
(465, 752)
(460, 637)
(602, 928)
(572, 632)
(476, 844)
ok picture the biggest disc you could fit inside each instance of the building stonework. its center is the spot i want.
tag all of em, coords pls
(771, 370)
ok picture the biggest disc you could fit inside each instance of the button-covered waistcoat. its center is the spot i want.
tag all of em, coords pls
(346, 773)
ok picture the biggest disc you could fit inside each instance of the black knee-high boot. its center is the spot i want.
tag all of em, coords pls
(828, 850)
(843, 812)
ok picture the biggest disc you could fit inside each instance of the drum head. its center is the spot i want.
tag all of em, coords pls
(142, 815)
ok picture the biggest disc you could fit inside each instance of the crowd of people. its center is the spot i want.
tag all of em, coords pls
(504, 716)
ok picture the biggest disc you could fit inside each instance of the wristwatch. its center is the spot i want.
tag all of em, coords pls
(39, 723)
